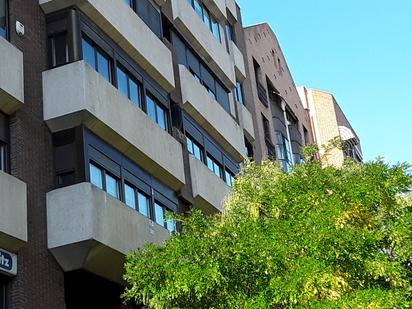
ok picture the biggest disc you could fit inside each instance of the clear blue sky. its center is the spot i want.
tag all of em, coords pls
(361, 51)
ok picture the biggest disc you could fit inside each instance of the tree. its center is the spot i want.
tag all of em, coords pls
(316, 237)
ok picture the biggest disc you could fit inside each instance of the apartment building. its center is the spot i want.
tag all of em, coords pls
(112, 113)
(281, 122)
(329, 122)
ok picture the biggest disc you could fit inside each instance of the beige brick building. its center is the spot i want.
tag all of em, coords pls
(328, 123)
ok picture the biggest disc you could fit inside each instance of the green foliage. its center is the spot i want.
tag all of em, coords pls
(314, 238)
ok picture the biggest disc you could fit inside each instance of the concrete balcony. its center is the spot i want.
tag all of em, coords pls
(231, 6)
(238, 60)
(215, 54)
(129, 31)
(13, 213)
(247, 122)
(210, 115)
(217, 8)
(209, 191)
(76, 94)
(11, 78)
(88, 229)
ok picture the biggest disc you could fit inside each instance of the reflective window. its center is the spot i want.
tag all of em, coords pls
(156, 112)
(129, 196)
(96, 176)
(112, 186)
(3, 18)
(171, 226)
(214, 166)
(127, 86)
(88, 53)
(216, 30)
(229, 31)
(97, 59)
(159, 214)
(103, 65)
(239, 92)
(122, 82)
(283, 151)
(209, 21)
(144, 204)
(229, 178)
(198, 8)
(194, 148)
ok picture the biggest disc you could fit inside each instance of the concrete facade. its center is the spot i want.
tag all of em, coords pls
(143, 45)
(209, 192)
(73, 118)
(13, 210)
(11, 78)
(274, 82)
(210, 115)
(89, 229)
(90, 100)
(329, 122)
(189, 23)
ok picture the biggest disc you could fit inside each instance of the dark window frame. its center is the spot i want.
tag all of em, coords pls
(211, 18)
(105, 156)
(209, 147)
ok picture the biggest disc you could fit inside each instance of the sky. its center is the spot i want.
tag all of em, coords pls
(359, 50)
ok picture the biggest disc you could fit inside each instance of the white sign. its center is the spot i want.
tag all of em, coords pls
(8, 263)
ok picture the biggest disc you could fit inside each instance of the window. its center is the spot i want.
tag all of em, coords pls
(156, 112)
(148, 13)
(112, 186)
(3, 156)
(209, 21)
(96, 176)
(97, 59)
(104, 180)
(239, 92)
(229, 178)
(128, 87)
(59, 49)
(194, 148)
(133, 195)
(229, 31)
(266, 128)
(214, 166)
(160, 212)
(283, 152)
(3, 18)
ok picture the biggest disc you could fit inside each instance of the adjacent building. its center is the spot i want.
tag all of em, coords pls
(328, 123)
(281, 122)
(112, 113)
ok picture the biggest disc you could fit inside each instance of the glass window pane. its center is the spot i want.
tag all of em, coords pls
(143, 201)
(216, 30)
(198, 8)
(96, 176)
(134, 93)
(159, 214)
(122, 81)
(210, 164)
(217, 170)
(128, 2)
(130, 198)
(197, 152)
(103, 66)
(171, 225)
(161, 117)
(151, 108)
(88, 53)
(206, 19)
(112, 186)
(189, 145)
